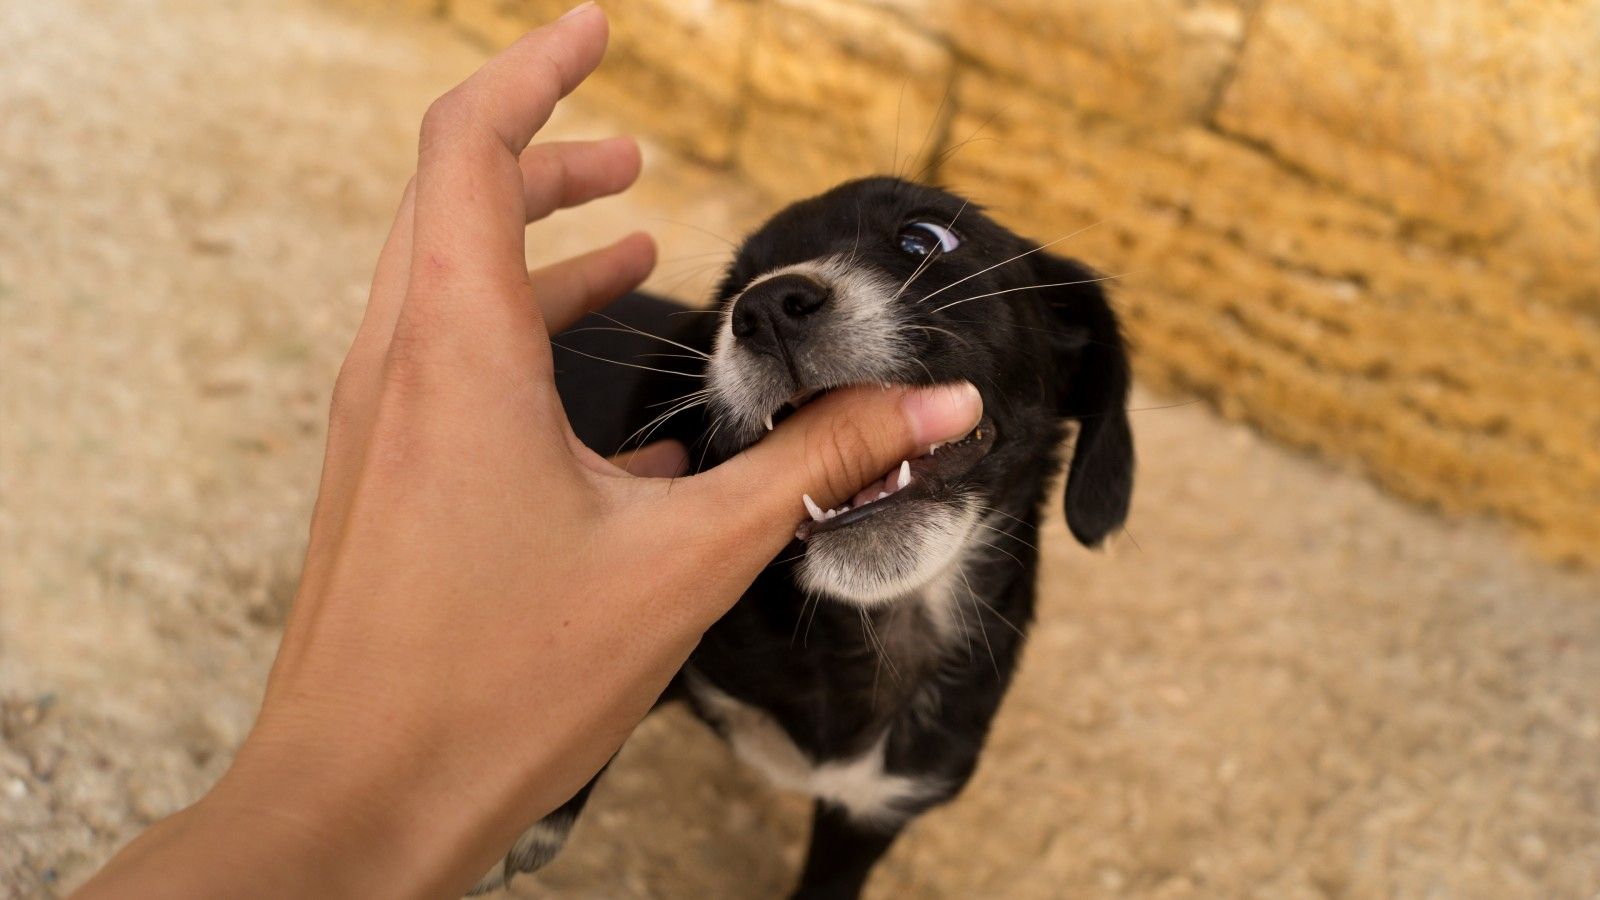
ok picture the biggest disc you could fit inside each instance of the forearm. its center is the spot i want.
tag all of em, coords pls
(261, 834)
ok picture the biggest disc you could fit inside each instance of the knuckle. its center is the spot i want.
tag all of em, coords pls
(343, 405)
(447, 115)
(841, 455)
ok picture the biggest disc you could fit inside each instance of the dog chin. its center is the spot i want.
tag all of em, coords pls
(889, 556)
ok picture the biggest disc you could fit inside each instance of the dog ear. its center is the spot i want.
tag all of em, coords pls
(1094, 378)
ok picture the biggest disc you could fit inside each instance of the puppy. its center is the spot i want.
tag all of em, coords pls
(865, 666)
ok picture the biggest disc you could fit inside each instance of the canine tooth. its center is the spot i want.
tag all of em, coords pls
(812, 508)
(882, 494)
(905, 472)
(768, 421)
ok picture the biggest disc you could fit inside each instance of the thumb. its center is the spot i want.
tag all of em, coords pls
(829, 450)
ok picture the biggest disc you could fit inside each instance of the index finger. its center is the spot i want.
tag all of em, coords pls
(468, 238)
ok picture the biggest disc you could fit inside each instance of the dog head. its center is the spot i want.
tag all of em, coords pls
(883, 281)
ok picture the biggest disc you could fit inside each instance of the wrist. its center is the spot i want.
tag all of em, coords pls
(355, 827)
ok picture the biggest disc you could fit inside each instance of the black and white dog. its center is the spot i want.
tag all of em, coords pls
(865, 667)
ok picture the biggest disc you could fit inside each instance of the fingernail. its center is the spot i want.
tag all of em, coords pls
(580, 8)
(942, 413)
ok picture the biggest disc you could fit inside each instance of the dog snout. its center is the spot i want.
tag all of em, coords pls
(777, 314)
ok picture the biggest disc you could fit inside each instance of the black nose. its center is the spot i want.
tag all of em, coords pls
(778, 311)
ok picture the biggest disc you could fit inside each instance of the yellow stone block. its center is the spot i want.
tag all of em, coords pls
(673, 70)
(1134, 59)
(838, 90)
(1478, 117)
(1313, 314)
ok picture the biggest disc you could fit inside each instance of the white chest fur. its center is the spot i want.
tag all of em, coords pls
(858, 784)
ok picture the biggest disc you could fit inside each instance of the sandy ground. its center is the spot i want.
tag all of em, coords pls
(1291, 686)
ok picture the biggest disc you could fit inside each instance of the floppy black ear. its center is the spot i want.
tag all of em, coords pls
(1094, 377)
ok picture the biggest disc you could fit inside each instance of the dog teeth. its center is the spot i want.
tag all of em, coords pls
(905, 473)
(767, 421)
(812, 508)
(882, 494)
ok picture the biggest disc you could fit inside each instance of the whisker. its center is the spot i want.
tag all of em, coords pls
(1007, 261)
(703, 392)
(658, 421)
(1132, 538)
(716, 426)
(966, 630)
(1007, 622)
(689, 257)
(933, 125)
(899, 104)
(979, 614)
(804, 601)
(1000, 549)
(1025, 287)
(686, 276)
(671, 356)
(943, 156)
(877, 643)
(1008, 535)
(705, 231)
(928, 260)
(626, 327)
(618, 362)
(1007, 515)
(816, 601)
(944, 331)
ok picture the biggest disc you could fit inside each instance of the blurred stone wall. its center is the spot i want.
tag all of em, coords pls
(1369, 227)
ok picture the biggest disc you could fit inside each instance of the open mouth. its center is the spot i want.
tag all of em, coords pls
(922, 478)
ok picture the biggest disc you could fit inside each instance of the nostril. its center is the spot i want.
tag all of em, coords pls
(803, 302)
(744, 321)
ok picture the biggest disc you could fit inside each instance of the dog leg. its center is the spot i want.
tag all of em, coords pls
(842, 854)
(539, 844)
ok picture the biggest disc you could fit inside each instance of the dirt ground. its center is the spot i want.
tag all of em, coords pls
(1286, 685)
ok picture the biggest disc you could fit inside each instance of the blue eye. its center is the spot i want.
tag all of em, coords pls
(922, 238)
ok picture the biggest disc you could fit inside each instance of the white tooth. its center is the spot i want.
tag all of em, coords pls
(768, 421)
(812, 508)
(882, 494)
(905, 472)
(830, 514)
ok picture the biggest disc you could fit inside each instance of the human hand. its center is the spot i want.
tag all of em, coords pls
(488, 607)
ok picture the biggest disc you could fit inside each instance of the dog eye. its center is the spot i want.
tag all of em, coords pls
(922, 238)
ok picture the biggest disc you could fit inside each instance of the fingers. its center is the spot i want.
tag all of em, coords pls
(829, 450)
(568, 289)
(555, 176)
(470, 201)
(662, 459)
(566, 173)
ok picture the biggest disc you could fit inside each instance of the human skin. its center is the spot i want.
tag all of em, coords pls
(488, 607)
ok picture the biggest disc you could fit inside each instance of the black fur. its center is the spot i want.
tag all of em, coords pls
(1042, 358)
